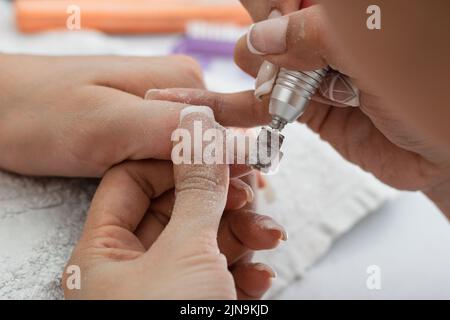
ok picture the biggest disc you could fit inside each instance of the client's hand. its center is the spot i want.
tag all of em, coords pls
(135, 247)
(79, 116)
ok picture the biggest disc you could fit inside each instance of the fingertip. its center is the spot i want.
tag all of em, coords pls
(253, 280)
(240, 170)
(153, 94)
(244, 189)
(245, 59)
(250, 46)
(204, 110)
(256, 232)
(266, 270)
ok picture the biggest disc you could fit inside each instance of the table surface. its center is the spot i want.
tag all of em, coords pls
(409, 239)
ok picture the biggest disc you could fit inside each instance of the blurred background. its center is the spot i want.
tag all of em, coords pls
(341, 220)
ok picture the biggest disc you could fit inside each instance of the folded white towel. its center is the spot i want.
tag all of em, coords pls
(319, 196)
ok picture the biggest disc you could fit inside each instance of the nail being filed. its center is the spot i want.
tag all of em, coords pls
(268, 153)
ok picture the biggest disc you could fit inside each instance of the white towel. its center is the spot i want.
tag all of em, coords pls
(318, 195)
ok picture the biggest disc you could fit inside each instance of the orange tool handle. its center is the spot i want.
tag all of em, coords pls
(126, 16)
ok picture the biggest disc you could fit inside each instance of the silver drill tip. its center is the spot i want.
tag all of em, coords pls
(268, 149)
(278, 123)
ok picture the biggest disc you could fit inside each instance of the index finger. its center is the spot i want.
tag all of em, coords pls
(230, 109)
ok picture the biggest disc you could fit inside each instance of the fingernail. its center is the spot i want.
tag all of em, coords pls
(275, 14)
(196, 109)
(271, 225)
(152, 93)
(266, 79)
(265, 268)
(238, 184)
(268, 37)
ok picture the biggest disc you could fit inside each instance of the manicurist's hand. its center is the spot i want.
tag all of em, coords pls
(138, 243)
(375, 107)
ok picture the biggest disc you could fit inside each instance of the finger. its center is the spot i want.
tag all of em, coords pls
(259, 10)
(252, 280)
(125, 193)
(240, 170)
(118, 126)
(155, 219)
(201, 188)
(239, 194)
(243, 108)
(136, 75)
(242, 231)
(252, 182)
(160, 211)
(297, 41)
(262, 182)
(237, 109)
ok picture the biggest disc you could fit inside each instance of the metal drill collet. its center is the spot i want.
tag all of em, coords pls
(291, 95)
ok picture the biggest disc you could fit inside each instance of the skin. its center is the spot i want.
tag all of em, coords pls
(82, 116)
(400, 132)
(181, 250)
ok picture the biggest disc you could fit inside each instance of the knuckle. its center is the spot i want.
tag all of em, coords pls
(89, 137)
(217, 102)
(85, 147)
(202, 179)
(190, 68)
(307, 36)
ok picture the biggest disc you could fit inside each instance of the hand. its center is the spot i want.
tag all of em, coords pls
(79, 116)
(138, 245)
(379, 135)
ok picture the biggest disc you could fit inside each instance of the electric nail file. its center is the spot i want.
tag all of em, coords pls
(290, 97)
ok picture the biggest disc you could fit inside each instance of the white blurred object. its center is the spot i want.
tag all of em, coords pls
(215, 31)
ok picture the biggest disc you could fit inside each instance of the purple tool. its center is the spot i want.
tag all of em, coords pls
(206, 41)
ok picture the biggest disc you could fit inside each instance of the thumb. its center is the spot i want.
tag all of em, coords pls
(201, 189)
(298, 41)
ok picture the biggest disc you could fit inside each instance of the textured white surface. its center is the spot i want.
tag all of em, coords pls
(409, 239)
(318, 198)
(40, 221)
(318, 195)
